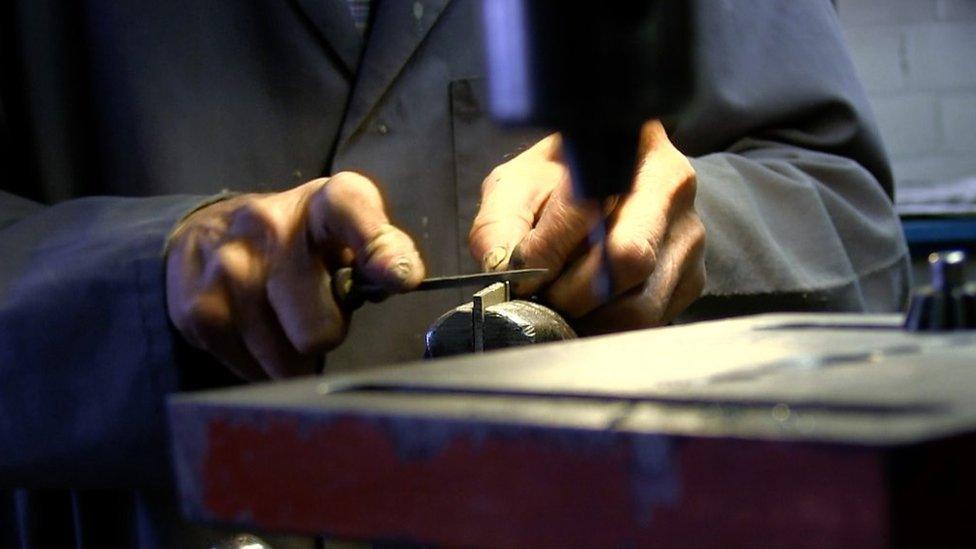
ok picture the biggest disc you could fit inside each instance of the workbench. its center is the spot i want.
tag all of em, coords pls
(806, 430)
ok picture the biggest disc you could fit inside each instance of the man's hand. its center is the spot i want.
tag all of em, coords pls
(248, 279)
(654, 245)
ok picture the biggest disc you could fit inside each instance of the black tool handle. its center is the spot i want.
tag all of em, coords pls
(351, 291)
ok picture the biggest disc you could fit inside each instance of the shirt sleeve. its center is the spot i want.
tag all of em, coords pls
(794, 186)
(87, 353)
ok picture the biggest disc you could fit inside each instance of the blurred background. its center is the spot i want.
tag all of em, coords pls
(917, 59)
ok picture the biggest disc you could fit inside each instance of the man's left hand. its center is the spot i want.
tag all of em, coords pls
(654, 245)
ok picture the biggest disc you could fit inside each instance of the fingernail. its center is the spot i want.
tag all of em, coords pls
(402, 268)
(494, 258)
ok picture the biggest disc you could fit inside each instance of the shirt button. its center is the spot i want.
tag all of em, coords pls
(383, 129)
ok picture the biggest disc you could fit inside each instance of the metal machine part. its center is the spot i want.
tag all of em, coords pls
(242, 541)
(492, 320)
(767, 431)
(948, 302)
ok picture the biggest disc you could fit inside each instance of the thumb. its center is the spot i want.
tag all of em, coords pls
(511, 197)
(348, 209)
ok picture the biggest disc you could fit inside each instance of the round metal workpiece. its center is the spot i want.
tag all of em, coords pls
(948, 302)
(242, 541)
(507, 324)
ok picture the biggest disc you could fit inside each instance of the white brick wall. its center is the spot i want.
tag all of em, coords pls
(909, 124)
(941, 56)
(917, 59)
(957, 10)
(959, 123)
(886, 12)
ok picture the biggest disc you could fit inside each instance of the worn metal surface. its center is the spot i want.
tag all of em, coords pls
(499, 326)
(948, 302)
(776, 430)
(496, 294)
(242, 541)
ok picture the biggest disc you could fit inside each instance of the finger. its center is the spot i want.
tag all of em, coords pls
(660, 207)
(691, 283)
(349, 209)
(511, 198)
(199, 306)
(628, 254)
(244, 273)
(224, 342)
(652, 136)
(631, 311)
(577, 290)
(641, 308)
(664, 171)
(676, 282)
(562, 227)
(255, 230)
(300, 292)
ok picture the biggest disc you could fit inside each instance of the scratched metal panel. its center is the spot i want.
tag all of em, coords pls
(502, 436)
(534, 474)
(836, 377)
(674, 361)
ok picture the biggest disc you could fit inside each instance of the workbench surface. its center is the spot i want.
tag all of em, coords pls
(767, 430)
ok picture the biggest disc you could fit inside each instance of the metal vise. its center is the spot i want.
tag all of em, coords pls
(493, 320)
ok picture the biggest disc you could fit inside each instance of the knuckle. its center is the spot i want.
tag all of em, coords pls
(698, 235)
(260, 222)
(345, 186)
(312, 185)
(202, 315)
(349, 205)
(254, 214)
(684, 169)
(199, 233)
(648, 311)
(697, 227)
(231, 264)
(350, 178)
(693, 231)
(632, 258)
(495, 177)
(686, 183)
(336, 191)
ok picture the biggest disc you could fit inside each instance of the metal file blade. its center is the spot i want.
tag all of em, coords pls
(352, 292)
(477, 279)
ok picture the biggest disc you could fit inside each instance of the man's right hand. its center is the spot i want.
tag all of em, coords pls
(248, 279)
